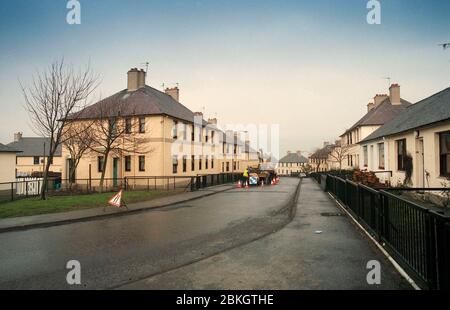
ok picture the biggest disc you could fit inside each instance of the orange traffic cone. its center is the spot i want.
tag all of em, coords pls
(239, 184)
(246, 185)
(262, 183)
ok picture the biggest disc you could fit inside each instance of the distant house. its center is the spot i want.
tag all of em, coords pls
(292, 163)
(34, 152)
(383, 109)
(7, 165)
(319, 161)
(421, 133)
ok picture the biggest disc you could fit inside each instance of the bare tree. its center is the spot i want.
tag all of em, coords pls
(339, 153)
(114, 134)
(53, 95)
(79, 141)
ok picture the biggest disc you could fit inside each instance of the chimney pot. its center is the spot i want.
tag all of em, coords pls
(17, 136)
(174, 93)
(212, 121)
(379, 98)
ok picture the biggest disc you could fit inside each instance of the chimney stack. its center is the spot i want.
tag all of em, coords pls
(17, 136)
(370, 106)
(379, 98)
(212, 121)
(136, 79)
(394, 94)
(299, 153)
(174, 93)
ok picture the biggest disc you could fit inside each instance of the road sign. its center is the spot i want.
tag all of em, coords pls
(116, 200)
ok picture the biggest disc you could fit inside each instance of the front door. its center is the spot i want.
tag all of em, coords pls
(115, 171)
(420, 182)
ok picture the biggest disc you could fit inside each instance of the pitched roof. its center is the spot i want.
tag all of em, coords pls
(323, 152)
(33, 147)
(7, 149)
(381, 114)
(293, 158)
(143, 101)
(433, 109)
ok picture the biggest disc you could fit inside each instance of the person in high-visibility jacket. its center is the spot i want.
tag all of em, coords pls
(245, 176)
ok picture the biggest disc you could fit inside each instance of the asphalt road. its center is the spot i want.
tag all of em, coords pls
(295, 257)
(117, 251)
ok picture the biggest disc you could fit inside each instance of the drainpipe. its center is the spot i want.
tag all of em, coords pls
(164, 146)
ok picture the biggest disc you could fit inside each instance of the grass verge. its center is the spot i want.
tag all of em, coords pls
(57, 204)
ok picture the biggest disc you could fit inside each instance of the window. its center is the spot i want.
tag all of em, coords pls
(212, 136)
(200, 163)
(365, 156)
(112, 126)
(206, 163)
(36, 160)
(381, 155)
(100, 164)
(372, 161)
(128, 125)
(175, 130)
(175, 164)
(192, 163)
(234, 165)
(184, 163)
(141, 163)
(235, 149)
(206, 136)
(223, 148)
(142, 125)
(228, 166)
(401, 154)
(184, 132)
(192, 133)
(212, 162)
(444, 151)
(128, 163)
(223, 167)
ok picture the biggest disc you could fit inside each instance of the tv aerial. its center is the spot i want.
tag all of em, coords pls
(146, 64)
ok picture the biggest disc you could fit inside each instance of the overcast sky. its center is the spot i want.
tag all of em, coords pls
(310, 66)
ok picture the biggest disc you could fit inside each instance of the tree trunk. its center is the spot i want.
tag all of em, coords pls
(102, 178)
(45, 178)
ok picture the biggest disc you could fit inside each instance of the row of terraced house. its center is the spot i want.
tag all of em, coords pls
(170, 140)
(402, 143)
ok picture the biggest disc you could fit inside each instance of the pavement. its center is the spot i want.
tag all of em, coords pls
(320, 249)
(118, 250)
(46, 220)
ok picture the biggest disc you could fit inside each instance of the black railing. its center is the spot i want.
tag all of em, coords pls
(418, 238)
(10, 191)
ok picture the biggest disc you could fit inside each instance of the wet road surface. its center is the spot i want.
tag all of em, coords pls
(295, 257)
(117, 251)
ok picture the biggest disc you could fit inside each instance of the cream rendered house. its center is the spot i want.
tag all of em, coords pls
(33, 155)
(383, 109)
(7, 165)
(178, 142)
(422, 131)
(320, 159)
(292, 163)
